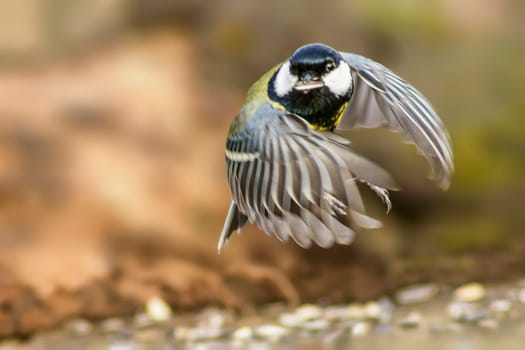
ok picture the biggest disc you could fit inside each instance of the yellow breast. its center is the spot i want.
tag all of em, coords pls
(258, 93)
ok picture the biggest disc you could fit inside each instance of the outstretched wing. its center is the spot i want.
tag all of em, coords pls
(381, 98)
(293, 181)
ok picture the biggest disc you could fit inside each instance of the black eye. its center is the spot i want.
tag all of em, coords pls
(330, 66)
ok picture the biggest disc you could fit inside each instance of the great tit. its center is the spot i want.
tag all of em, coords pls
(288, 169)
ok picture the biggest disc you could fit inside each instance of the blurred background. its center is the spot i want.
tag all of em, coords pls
(113, 116)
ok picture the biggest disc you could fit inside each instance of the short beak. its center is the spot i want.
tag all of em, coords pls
(308, 82)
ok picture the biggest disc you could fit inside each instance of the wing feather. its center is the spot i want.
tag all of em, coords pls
(381, 98)
(293, 181)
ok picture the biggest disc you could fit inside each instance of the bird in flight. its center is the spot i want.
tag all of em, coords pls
(289, 169)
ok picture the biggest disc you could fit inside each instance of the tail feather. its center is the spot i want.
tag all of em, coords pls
(234, 221)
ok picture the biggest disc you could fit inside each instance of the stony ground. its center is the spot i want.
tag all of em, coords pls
(471, 316)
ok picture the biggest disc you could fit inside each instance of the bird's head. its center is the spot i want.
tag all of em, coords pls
(315, 80)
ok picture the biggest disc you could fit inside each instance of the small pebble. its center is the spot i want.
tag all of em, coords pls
(290, 320)
(302, 314)
(197, 346)
(216, 319)
(316, 325)
(470, 292)
(456, 309)
(360, 329)
(500, 306)
(112, 325)
(79, 327)
(412, 320)
(336, 313)
(204, 333)
(416, 294)
(387, 308)
(465, 312)
(308, 312)
(242, 334)
(476, 316)
(488, 323)
(372, 310)
(158, 310)
(271, 332)
(122, 345)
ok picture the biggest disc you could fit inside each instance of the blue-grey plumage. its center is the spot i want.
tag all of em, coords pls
(289, 171)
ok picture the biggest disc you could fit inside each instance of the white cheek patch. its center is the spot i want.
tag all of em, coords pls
(339, 81)
(284, 80)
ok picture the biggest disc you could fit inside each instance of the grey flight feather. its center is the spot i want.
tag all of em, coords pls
(381, 98)
(235, 220)
(296, 182)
